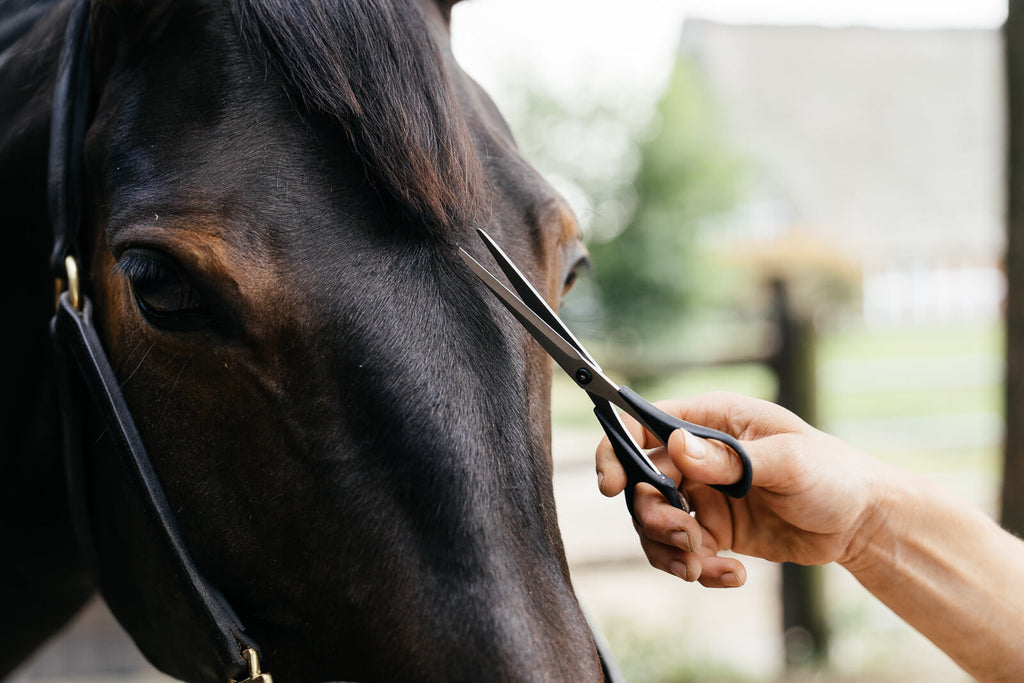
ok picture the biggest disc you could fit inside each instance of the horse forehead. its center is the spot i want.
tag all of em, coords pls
(254, 173)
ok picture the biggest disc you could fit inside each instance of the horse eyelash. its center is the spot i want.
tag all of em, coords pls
(137, 268)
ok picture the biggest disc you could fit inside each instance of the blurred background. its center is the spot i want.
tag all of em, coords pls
(798, 200)
(803, 201)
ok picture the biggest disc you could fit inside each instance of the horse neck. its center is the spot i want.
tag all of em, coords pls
(42, 582)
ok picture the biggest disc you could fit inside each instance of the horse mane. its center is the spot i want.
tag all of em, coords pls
(373, 67)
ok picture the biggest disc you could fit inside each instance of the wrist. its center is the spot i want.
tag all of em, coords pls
(892, 498)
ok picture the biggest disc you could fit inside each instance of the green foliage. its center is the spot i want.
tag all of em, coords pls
(643, 190)
(647, 275)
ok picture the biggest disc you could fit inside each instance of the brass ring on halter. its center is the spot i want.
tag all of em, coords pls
(74, 286)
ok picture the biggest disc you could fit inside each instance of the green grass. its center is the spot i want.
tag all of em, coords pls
(909, 402)
(924, 398)
(926, 340)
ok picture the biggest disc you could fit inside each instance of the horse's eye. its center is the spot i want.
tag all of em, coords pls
(570, 280)
(580, 264)
(162, 292)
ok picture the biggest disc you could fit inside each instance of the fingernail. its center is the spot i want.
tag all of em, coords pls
(681, 540)
(694, 447)
(730, 580)
(600, 478)
(678, 568)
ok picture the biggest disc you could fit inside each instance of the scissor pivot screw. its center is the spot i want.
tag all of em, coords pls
(583, 376)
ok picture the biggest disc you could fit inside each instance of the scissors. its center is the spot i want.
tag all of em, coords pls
(533, 312)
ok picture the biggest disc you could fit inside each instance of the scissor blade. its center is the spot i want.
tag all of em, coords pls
(568, 357)
(531, 297)
(559, 349)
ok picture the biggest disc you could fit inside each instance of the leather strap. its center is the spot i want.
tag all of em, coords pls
(126, 529)
(72, 107)
(125, 524)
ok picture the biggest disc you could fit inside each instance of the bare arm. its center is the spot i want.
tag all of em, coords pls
(949, 571)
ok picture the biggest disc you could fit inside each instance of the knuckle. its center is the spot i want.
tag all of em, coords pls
(655, 561)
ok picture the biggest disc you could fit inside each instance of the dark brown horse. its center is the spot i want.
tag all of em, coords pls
(274, 194)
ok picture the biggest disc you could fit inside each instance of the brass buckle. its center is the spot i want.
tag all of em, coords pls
(255, 676)
(73, 285)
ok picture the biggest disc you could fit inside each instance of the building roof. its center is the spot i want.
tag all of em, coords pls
(889, 142)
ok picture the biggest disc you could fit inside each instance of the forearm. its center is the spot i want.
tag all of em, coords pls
(950, 572)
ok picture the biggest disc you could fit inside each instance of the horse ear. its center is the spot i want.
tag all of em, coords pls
(446, 8)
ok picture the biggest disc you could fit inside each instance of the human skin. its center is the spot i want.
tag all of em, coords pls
(946, 568)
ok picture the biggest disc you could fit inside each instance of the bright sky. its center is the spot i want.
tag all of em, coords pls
(621, 49)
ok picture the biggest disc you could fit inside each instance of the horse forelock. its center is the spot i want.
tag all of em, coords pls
(374, 68)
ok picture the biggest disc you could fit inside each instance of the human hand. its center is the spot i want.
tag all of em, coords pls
(811, 492)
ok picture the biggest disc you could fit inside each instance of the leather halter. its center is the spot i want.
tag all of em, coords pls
(141, 567)
(172, 596)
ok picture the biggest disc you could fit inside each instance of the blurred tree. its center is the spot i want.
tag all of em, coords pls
(645, 275)
(642, 189)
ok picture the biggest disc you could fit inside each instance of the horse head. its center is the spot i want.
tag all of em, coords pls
(353, 437)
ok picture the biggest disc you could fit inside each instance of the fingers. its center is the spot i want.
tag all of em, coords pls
(777, 461)
(675, 543)
(722, 572)
(742, 416)
(611, 478)
(686, 565)
(704, 566)
(779, 445)
(670, 538)
(663, 523)
(704, 460)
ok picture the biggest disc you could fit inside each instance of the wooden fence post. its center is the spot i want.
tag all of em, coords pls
(1012, 512)
(805, 631)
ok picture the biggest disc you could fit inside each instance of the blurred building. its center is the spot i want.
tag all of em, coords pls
(886, 144)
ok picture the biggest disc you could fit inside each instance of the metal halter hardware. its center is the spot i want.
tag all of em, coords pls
(254, 669)
(72, 285)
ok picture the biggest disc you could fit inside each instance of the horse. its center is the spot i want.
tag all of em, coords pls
(351, 438)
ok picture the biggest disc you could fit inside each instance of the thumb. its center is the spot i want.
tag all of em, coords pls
(704, 461)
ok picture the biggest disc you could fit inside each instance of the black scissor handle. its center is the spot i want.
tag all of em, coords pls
(638, 469)
(663, 424)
